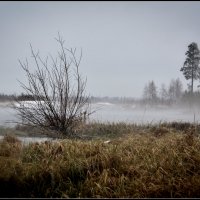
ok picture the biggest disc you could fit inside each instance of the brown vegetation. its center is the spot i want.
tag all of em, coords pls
(140, 163)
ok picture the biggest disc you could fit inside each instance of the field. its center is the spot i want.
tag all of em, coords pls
(114, 160)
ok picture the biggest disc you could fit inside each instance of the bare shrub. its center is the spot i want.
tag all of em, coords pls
(57, 89)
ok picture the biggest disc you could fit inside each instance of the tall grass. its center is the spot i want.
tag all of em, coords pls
(151, 161)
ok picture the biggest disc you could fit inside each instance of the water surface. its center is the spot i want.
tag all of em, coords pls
(108, 112)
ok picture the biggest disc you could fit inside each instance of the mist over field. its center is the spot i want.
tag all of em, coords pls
(109, 112)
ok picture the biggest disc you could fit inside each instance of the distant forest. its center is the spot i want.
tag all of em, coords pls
(153, 95)
(21, 97)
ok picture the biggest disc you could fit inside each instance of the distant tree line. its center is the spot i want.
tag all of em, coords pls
(21, 97)
(5, 97)
(173, 94)
(167, 95)
(92, 99)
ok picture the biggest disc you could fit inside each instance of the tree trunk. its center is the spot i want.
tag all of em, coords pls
(192, 79)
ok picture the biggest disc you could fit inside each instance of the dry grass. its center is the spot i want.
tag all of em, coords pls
(152, 161)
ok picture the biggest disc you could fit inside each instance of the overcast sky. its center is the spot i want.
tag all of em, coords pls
(125, 44)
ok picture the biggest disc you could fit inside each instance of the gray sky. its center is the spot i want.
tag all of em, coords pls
(125, 44)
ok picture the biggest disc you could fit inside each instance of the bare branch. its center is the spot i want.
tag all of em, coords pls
(58, 92)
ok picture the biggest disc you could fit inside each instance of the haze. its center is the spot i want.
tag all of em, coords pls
(125, 44)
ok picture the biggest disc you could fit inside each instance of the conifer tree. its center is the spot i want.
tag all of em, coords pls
(191, 68)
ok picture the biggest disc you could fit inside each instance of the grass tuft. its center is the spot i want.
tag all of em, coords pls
(153, 161)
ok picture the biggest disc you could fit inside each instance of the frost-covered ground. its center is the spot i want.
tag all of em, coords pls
(108, 112)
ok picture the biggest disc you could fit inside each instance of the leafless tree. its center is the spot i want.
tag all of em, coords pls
(163, 94)
(58, 92)
(150, 93)
(175, 90)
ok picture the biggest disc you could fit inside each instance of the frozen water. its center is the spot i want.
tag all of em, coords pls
(27, 140)
(108, 112)
(145, 114)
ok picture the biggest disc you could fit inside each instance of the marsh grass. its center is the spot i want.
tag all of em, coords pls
(139, 161)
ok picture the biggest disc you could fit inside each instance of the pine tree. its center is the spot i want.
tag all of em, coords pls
(191, 68)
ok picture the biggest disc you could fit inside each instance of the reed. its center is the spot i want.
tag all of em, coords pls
(141, 162)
